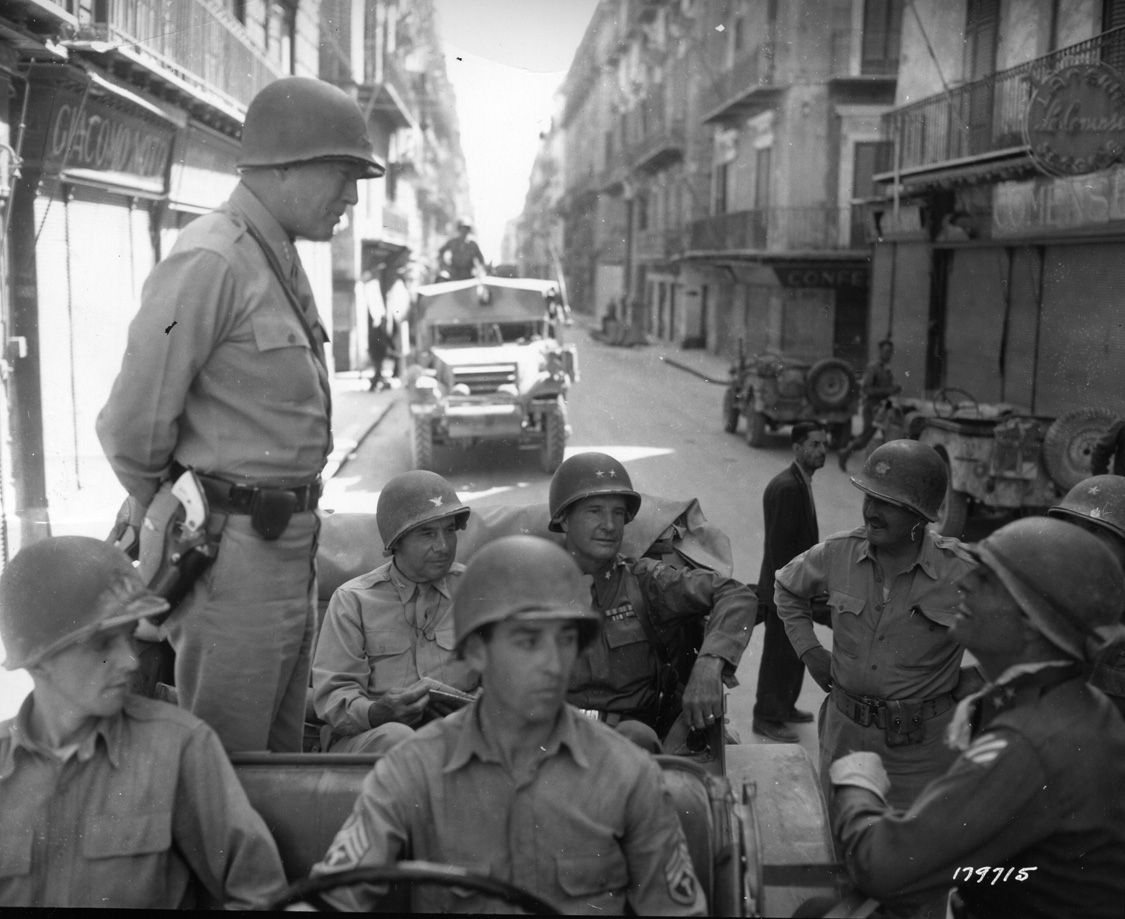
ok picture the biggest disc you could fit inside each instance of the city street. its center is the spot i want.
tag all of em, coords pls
(664, 424)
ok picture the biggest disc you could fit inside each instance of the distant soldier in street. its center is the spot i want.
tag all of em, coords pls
(460, 258)
(109, 799)
(224, 373)
(893, 668)
(634, 673)
(519, 786)
(1029, 822)
(387, 640)
(1097, 505)
(789, 516)
(878, 384)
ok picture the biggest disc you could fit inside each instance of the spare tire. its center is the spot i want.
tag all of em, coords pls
(830, 385)
(1070, 440)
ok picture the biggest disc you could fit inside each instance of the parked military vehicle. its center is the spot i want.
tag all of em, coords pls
(771, 390)
(490, 365)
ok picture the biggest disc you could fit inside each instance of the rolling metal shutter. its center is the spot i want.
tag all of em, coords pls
(974, 322)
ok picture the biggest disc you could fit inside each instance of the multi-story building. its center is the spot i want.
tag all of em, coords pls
(713, 156)
(1001, 253)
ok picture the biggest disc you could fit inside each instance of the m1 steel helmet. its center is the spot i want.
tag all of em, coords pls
(59, 592)
(1099, 499)
(1065, 580)
(299, 120)
(585, 475)
(413, 498)
(523, 577)
(907, 474)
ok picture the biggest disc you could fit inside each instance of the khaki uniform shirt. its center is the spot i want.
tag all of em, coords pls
(147, 814)
(587, 827)
(383, 631)
(894, 646)
(218, 371)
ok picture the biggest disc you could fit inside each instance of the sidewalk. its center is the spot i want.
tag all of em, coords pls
(356, 411)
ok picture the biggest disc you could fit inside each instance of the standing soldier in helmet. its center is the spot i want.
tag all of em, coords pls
(633, 673)
(1097, 505)
(893, 667)
(519, 786)
(108, 799)
(1030, 820)
(224, 373)
(386, 646)
(460, 258)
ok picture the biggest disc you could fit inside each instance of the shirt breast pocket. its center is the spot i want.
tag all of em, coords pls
(114, 836)
(846, 609)
(390, 657)
(15, 852)
(928, 639)
(284, 360)
(624, 631)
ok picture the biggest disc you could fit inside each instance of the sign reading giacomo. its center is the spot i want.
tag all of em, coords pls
(1075, 120)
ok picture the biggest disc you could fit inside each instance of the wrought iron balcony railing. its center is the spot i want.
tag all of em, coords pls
(196, 41)
(986, 115)
(777, 229)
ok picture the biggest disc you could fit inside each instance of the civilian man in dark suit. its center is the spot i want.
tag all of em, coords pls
(790, 528)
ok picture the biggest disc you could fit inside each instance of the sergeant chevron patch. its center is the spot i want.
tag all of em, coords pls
(349, 845)
(985, 749)
(680, 877)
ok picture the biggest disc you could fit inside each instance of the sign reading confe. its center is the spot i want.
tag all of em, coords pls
(821, 275)
(1076, 120)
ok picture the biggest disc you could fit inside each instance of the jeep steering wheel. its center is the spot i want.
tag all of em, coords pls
(310, 889)
(944, 397)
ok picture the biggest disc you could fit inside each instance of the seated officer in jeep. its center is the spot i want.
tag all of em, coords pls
(652, 661)
(385, 657)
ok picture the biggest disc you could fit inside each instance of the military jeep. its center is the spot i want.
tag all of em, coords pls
(489, 366)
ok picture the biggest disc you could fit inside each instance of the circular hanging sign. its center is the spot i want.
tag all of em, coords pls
(1076, 120)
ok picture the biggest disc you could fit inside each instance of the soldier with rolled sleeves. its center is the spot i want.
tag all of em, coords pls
(519, 786)
(387, 638)
(878, 384)
(224, 373)
(1030, 819)
(109, 799)
(1097, 505)
(893, 668)
(631, 673)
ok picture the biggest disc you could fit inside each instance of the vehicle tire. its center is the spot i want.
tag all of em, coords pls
(756, 429)
(730, 412)
(954, 511)
(553, 448)
(915, 422)
(1070, 440)
(423, 444)
(830, 385)
(839, 434)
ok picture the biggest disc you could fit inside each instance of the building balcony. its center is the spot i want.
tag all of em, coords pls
(777, 229)
(192, 46)
(853, 59)
(748, 87)
(659, 245)
(390, 86)
(982, 120)
(395, 222)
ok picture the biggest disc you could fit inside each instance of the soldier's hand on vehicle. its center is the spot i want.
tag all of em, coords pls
(818, 661)
(703, 695)
(402, 705)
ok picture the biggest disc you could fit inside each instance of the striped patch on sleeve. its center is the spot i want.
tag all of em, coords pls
(349, 845)
(985, 749)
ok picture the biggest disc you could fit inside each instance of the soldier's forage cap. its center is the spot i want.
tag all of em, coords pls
(61, 591)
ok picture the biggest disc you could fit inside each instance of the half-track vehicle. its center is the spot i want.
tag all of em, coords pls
(489, 365)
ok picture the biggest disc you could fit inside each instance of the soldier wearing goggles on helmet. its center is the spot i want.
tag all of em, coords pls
(109, 799)
(1030, 819)
(518, 785)
(893, 667)
(225, 373)
(386, 647)
(634, 672)
(1097, 505)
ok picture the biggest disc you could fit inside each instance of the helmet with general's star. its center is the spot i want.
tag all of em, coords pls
(585, 475)
(413, 498)
(1099, 499)
(523, 577)
(907, 474)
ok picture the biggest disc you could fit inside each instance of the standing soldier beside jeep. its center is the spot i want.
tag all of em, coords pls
(224, 373)
(878, 384)
(386, 648)
(894, 667)
(634, 673)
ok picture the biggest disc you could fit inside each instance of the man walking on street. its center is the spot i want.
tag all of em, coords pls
(878, 384)
(225, 373)
(789, 515)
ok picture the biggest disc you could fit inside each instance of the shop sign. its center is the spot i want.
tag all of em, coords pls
(821, 275)
(1075, 120)
(1046, 205)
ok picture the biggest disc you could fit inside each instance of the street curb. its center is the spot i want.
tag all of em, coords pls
(699, 373)
(351, 439)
